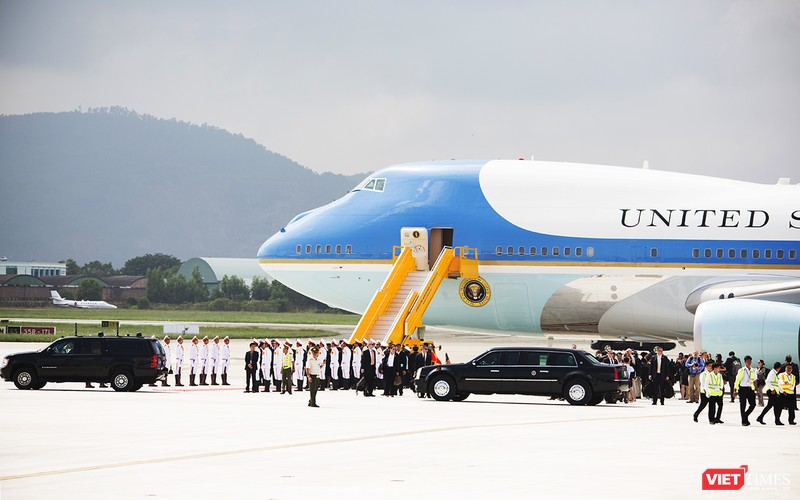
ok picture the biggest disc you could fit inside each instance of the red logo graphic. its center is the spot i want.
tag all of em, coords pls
(724, 479)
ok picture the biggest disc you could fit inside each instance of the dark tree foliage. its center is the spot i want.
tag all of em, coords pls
(138, 266)
(89, 289)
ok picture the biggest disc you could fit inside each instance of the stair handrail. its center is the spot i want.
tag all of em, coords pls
(403, 264)
(428, 290)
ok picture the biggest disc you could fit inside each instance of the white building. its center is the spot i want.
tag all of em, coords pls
(32, 268)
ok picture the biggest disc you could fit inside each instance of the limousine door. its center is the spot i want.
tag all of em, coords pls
(532, 375)
(487, 374)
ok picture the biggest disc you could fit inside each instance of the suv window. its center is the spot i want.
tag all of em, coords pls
(533, 358)
(561, 359)
(492, 358)
(65, 347)
(130, 347)
(91, 346)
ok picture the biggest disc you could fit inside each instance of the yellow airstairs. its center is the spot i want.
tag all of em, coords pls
(397, 308)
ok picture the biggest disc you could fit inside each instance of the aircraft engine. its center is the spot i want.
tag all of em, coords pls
(759, 328)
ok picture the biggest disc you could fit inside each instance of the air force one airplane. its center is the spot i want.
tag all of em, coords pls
(80, 304)
(634, 254)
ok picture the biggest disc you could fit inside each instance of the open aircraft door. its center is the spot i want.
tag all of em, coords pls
(417, 239)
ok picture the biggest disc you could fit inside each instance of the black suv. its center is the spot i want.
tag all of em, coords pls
(574, 375)
(126, 362)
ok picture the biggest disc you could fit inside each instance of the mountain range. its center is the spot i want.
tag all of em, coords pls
(111, 184)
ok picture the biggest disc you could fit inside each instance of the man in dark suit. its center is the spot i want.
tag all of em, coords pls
(251, 368)
(426, 359)
(659, 374)
(368, 369)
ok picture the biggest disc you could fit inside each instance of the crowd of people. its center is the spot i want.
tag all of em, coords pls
(702, 380)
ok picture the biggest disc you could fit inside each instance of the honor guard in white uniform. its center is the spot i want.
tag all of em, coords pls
(275, 356)
(357, 352)
(347, 364)
(178, 361)
(225, 356)
(204, 361)
(194, 360)
(213, 359)
(299, 364)
(266, 364)
(168, 357)
(323, 364)
(333, 362)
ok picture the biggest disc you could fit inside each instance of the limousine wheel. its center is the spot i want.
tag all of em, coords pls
(443, 388)
(577, 392)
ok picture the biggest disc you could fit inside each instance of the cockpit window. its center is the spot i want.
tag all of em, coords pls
(371, 184)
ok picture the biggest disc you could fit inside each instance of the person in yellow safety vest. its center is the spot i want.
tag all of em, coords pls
(745, 385)
(703, 389)
(774, 392)
(787, 382)
(715, 391)
(287, 365)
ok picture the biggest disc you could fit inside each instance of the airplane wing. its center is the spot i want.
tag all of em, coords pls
(771, 288)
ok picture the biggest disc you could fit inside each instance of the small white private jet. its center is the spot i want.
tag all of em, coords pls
(58, 300)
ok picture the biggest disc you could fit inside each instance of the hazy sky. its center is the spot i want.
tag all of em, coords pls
(709, 87)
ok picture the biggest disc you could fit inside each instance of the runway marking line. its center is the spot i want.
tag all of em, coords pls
(312, 443)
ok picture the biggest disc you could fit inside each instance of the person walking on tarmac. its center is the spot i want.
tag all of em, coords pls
(659, 374)
(716, 388)
(774, 393)
(286, 370)
(703, 390)
(251, 367)
(788, 382)
(744, 384)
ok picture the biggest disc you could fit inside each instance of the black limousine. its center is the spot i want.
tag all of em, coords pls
(575, 375)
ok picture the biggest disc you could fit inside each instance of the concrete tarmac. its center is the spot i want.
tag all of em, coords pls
(64, 441)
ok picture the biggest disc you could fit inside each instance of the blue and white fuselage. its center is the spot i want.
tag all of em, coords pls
(562, 246)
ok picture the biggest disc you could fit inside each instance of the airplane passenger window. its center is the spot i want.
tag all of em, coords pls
(654, 252)
(338, 248)
(544, 251)
(308, 248)
(590, 251)
(720, 253)
(695, 252)
(319, 248)
(555, 251)
(731, 253)
(756, 253)
(379, 184)
(567, 251)
(792, 254)
(578, 251)
(510, 251)
(327, 249)
(767, 254)
(707, 253)
(521, 251)
(499, 250)
(532, 251)
(779, 254)
(743, 253)
(348, 249)
(299, 249)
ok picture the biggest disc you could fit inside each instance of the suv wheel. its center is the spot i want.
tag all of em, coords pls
(122, 380)
(443, 388)
(577, 392)
(25, 378)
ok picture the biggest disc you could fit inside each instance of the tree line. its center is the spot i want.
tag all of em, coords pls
(166, 286)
